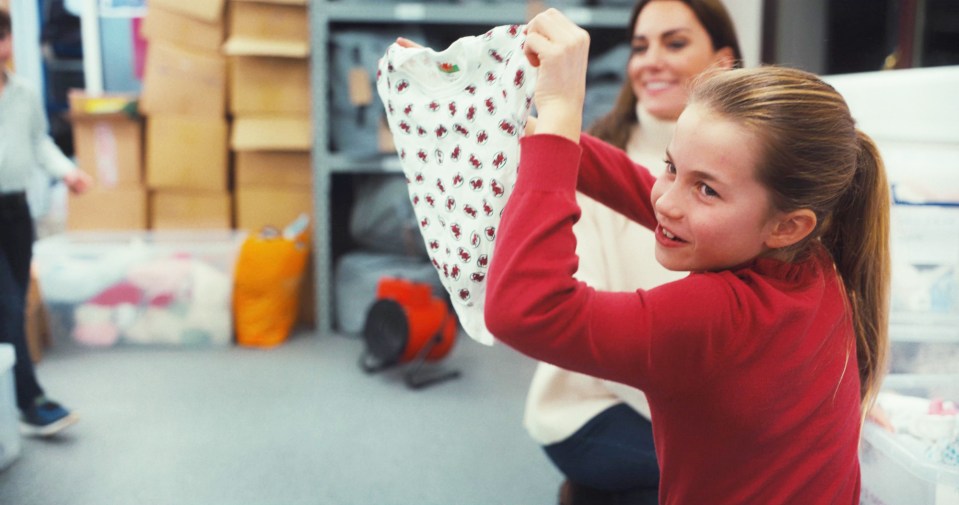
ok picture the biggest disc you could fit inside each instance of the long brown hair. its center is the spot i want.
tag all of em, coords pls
(615, 126)
(813, 157)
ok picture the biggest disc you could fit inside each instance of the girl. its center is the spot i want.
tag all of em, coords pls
(598, 433)
(779, 208)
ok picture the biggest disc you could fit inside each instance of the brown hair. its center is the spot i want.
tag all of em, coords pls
(614, 127)
(5, 24)
(813, 157)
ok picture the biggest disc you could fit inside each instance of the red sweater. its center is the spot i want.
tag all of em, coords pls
(751, 374)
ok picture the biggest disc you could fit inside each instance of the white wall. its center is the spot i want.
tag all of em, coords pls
(748, 17)
(25, 17)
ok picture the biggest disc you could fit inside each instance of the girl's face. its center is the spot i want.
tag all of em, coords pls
(670, 47)
(713, 213)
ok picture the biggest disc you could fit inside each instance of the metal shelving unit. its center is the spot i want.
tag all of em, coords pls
(325, 14)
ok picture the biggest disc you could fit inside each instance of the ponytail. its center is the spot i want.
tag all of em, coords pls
(858, 239)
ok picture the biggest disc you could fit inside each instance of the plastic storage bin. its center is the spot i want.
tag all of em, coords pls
(160, 287)
(904, 468)
(9, 424)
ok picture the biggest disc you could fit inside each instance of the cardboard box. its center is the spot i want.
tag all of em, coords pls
(179, 209)
(273, 168)
(161, 24)
(37, 330)
(271, 133)
(120, 208)
(180, 80)
(268, 29)
(186, 152)
(271, 206)
(270, 85)
(107, 140)
(206, 10)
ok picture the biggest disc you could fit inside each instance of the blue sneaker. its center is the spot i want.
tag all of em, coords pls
(45, 418)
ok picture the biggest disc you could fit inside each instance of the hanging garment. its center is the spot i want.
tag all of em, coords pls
(456, 118)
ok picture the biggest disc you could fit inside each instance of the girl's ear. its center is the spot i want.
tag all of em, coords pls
(791, 228)
(724, 58)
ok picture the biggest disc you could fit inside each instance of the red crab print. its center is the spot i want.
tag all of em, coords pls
(421, 155)
(490, 106)
(497, 188)
(464, 295)
(430, 200)
(456, 231)
(441, 131)
(495, 55)
(464, 255)
(450, 203)
(470, 211)
(507, 128)
(475, 162)
(519, 78)
(490, 232)
(475, 239)
(440, 186)
(402, 86)
(490, 77)
(482, 137)
(482, 261)
(471, 113)
(477, 276)
(458, 180)
(421, 131)
(455, 154)
(458, 128)
(513, 30)
(499, 160)
(408, 109)
(470, 89)
(434, 245)
(455, 272)
(434, 106)
(487, 208)
(452, 108)
(415, 199)
(405, 127)
(419, 177)
(425, 223)
(476, 183)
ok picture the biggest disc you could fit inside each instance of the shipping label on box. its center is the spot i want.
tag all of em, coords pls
(108, 141)
(183, 81)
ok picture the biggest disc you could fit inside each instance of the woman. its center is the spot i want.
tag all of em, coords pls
(598, 433)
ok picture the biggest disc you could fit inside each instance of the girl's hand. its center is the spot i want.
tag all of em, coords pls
(560, 49)
(407, 43)
(78, 181)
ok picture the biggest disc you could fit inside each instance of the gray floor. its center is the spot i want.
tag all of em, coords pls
(296, 424)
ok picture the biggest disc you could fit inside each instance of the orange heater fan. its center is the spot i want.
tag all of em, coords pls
(408, 325)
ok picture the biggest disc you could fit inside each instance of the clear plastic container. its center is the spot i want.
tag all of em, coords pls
(9, 424)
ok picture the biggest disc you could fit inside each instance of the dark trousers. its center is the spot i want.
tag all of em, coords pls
(16, 251)
(612, 452)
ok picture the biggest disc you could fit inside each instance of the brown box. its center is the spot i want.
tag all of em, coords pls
(268, 29)
(179, 209)
(108, 142)
(184, 81)
(270, 85)
(186, 152)
(273, 168)
(207, 10)
(273, 206)
(120, 208)
(162, 24)
(271, 133)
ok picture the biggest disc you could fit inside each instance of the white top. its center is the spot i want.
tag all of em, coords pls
(25, 145)
(615, 254)
(456, 118)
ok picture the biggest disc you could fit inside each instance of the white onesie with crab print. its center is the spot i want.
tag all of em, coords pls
(456, 118)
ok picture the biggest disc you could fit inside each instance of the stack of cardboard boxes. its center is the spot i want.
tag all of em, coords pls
(227, 105)
(187, 128)
(270, 100)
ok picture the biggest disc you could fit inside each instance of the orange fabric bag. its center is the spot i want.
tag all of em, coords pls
(267, 280)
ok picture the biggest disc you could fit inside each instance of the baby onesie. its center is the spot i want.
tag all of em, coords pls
(456, 117)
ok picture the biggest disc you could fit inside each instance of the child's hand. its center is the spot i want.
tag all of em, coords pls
(404, 42)
(78, 181)
(560, 49)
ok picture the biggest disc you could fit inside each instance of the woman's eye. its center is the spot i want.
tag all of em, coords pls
(677, 44)
(639, 49)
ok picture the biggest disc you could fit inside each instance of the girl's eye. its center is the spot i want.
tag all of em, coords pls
(677, 44)
(670, 168)
(707, 191)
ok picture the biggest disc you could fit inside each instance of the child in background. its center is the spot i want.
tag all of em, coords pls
(760, 365)
(25, 146)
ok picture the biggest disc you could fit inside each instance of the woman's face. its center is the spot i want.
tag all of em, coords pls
(670, 47)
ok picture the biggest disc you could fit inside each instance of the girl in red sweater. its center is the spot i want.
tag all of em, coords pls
(759, 365)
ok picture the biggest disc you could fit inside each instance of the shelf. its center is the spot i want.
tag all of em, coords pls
(465, 14)
(387, 163)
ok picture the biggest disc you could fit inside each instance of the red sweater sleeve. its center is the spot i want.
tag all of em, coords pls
(535, 305)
